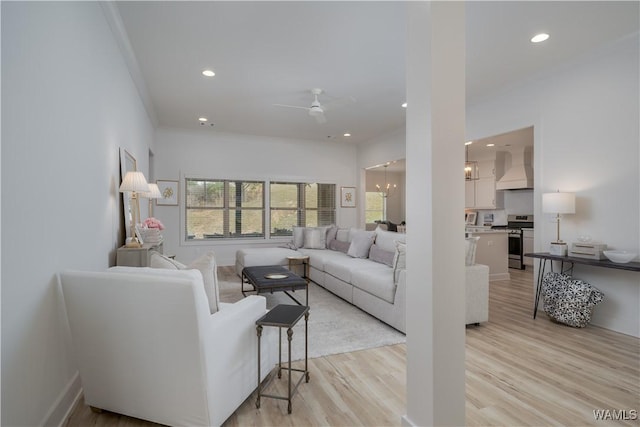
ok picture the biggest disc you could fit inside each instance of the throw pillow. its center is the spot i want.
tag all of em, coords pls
(332, 232)
(386, 239)
(339, 245)
(471, 244)
(342, 234)
(380, 255)
(399, 260)
(361, 242)
(314, 238)
(207, 266)
(298, 236)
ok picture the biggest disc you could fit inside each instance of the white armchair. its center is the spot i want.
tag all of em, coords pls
(147, 346)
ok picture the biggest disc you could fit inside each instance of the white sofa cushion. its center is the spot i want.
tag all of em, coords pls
(319, 257)
(342, 267)
(376, 280)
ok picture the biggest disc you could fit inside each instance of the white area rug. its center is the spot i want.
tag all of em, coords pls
(335, 326)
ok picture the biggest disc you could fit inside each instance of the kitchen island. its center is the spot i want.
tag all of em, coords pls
(493, 250)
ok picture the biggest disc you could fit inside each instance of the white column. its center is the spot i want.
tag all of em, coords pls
(435, 203)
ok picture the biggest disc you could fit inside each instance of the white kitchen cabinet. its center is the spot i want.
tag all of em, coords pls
(482, 193)
(469, 194)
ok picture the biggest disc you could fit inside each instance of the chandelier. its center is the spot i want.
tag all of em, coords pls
(387, 189)
(470, 167)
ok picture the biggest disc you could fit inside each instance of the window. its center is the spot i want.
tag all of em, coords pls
(301, 204)
(374, 206)
(224, 209)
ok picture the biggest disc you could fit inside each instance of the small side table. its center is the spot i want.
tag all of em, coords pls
(283, 316)
(300, 260)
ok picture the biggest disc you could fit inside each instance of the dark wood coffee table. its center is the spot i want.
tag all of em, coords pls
(273, 278)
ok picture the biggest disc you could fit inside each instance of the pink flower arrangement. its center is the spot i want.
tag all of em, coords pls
(153, 223)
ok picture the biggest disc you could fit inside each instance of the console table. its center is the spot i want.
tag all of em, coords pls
(546, 256)
(136, 257)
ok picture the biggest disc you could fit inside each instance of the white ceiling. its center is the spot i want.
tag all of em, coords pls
(265, 53)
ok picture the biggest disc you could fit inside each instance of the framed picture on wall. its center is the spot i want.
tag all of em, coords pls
(347, 197)
(169, 191)
(470, 218)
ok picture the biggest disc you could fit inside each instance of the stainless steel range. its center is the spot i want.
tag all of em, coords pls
(515, 224)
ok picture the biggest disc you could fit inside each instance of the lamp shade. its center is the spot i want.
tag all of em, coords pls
(559, 203)
(153, 193)
(134, 181)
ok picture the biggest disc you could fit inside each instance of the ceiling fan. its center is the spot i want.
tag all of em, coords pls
(317, 110)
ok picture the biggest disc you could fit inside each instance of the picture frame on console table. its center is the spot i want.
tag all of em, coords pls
(347, 197)
(169, 191)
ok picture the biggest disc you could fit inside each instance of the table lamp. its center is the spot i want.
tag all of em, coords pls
(558, 203)
(153, 193)
(134, 183)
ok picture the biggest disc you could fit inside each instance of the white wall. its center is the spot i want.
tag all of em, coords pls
(210, 154)
(586, 140)
(68, 105)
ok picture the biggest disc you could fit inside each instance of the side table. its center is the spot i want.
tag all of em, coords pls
(284, 316)
(300, 260)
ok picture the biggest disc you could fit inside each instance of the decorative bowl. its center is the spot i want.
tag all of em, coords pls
(621, 257)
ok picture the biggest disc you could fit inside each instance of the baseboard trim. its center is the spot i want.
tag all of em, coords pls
(499, 276)
(64, 405)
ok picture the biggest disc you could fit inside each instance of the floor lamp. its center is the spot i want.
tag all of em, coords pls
(134, 183)
(558, 203)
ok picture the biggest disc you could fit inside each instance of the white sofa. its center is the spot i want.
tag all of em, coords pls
(147, 345)
(374, 287)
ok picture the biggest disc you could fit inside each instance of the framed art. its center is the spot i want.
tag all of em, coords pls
(347, 197)
(169, 191)
(470, 218)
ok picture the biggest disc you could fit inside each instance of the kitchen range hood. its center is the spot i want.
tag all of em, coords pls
(520, 175)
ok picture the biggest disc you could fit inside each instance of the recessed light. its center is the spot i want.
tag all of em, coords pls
(347, 134)
(208, 73)
(491, 145)
(468, 143)
(202, 119)
(404, 105)
(539, 38)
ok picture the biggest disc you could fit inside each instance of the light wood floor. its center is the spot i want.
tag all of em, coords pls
(519, 371)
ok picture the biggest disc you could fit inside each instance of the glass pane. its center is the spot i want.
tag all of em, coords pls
(246, 194)
(195, 193)
(311, 195)
(317, 218)
(374, 207)
(327, 196)
(246, 223)
(204, 223)
(283, 221)
(214, 194)
(284, 195)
